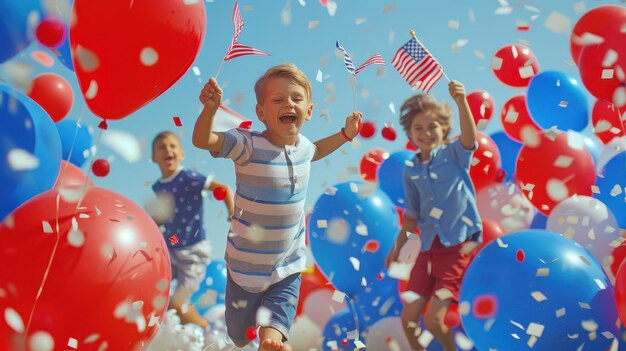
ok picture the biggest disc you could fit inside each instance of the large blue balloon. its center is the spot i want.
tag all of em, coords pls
(612, 179)
(15, 30)
(75, 141)
(390, 176)
(350, 236)
(379, 299)
(336, 331)
(556, 99)
(211, 291)
(509, 149)
(25, 127)
(539, 281)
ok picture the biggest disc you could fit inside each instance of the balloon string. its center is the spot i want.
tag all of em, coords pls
(69, 155)
(219, 69)
(354, 316)
(48, 267)
(91, 162)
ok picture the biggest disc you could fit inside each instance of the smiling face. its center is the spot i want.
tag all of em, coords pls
(167, 153)
(426, 132)
(284, 107)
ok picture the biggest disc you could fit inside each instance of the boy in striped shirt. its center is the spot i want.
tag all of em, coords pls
(265, 251)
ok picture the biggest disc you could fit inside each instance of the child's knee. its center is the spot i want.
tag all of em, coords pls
(433, 324)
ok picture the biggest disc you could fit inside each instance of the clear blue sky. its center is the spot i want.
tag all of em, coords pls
(363, 27)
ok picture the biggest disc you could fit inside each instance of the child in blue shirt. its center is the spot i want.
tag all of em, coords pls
(190, 251)
(440, 200)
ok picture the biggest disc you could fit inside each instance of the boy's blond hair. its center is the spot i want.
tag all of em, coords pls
(162, 135)
(287, 70)
(424, 103)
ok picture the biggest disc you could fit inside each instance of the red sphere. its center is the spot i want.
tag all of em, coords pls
(368, 130)
(370, 163)
(514, 65)
(219, 193)
(605, 118)
(389, 133)
(486, 164)
(481, 104)
(602, 21)
(515, 118)
(251, 333)
(53, 93)
(51, 32)
(101, 168)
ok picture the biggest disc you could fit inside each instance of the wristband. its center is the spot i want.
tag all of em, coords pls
(345, 136)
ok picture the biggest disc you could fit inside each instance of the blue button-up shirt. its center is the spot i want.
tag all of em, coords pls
(440, 196)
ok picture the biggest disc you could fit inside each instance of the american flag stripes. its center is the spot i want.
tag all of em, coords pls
(417, 66)
(236, 49)
(374, 60)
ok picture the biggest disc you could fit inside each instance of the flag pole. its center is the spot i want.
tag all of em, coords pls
(415, 37)
(354, 95)
(219, 69)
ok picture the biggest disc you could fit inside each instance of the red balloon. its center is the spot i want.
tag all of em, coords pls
(607, 121)
(620, 293)
(50, 32)
(516, 120)
(618, 254)
(53, 93)
(602, 67)
(70, 176)
(97, 273)
(491, 231)
(370, 162)
(219, 193)
(309, 283)
(514, 65)
(486, 165)
(389, 133)
(602, 21)
(368, 130)
(553, 167)
(481, 104)
(101, 167)
(125, 56)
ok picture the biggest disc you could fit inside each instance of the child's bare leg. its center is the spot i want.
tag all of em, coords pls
(434, 320)
(272, 339)
(410, 322)
(187, 314)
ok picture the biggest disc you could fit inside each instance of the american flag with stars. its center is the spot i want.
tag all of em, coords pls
(417, 66)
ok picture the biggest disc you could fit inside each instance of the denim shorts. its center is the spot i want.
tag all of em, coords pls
(280, 298)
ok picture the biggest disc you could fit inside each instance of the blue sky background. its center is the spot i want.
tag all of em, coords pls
(363, 27)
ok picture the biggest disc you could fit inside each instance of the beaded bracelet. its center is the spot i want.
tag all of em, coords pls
(345, 136)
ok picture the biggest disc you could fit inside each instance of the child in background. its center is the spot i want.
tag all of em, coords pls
(440, 200)
(189, 249)
(265, 252)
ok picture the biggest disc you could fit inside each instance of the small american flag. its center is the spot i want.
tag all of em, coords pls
(374, 60)
(346, 59)
(236, 49)
(417, 66)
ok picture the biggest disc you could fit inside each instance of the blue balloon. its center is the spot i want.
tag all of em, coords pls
(389, 176)
(556, 99)
(336, 330)
(212, 290)
(509, 149)
(25, 126)
(614, 176)
(379, 299)
(75, 141)
(350, 236)
(64, 53)
(540, 221)
(15, 30)
(540, 292)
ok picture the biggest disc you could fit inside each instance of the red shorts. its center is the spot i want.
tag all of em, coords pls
(439, 268)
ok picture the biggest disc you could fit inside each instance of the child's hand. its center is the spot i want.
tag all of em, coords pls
(457, 91)
(211, 95)
(352, 124)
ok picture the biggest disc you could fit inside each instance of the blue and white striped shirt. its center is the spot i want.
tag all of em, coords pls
(266, 241)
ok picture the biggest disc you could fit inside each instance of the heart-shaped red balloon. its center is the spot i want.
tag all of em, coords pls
(126, 53)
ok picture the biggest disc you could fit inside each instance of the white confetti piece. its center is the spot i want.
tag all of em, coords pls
(610, 58)
(425, 338)
(392, 108)
(563, 104)
(313, 24)
(22, 160)
(436, 213)
(322, 223)
(263, 316)
(543, 272)
(463, 342)
(496, 63)
(589, 325)
(92, 91)
(359, 344)
(619, 97)
(356, 264)
(535, 329)
(558, 23)
(285, 14)
(319, 76)
(86, 59)
(73, 343)
(361, 229)
(504, 10)
(617, 190)
(41, 341)
(538, 296)
(13, 320)
(453, 24)
(557, 190)
(409, 296)
(580, 7)
(479, 54)
(398, 270)
(563, 161)
(526, 71)
(331, 7)
(148, 56)
(443, 294)
(360, 21)
(560, 312)
(47, 228)
(302, 3)
(338, 296)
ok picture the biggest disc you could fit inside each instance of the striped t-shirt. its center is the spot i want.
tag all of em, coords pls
(266, 239)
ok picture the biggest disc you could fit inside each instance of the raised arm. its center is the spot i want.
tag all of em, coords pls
(203, 135)
(466, 120)
(331, 143)
(228, 200)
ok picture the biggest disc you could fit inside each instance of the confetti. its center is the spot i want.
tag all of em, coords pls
(319, 76)
(314, 24)
(338, 296)
(177, 121)
(356, 264)
(538, 296)
(453, 24)
(557, 23)
(148, 56)
(535, 329)
(22, 160)
(263, 316)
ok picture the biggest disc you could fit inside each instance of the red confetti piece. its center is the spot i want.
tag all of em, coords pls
(42, 58)
(368, 129)
(344, 342)
(245, 125)
(177, 121)
(372, 246)
(520, 255)
(523, 28)
(219, 193)
(174, 239)
(389, 133)
(251, 333)
(485, 306)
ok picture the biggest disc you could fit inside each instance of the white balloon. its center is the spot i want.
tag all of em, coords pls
(505, 204)
(319, 306)
(305, 334)
(386, 331)
(587, 221)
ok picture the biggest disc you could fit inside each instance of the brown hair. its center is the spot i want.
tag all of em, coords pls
(162, 135)
(288, 70)
(424, 103)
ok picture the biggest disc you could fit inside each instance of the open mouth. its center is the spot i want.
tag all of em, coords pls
(289, 119)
